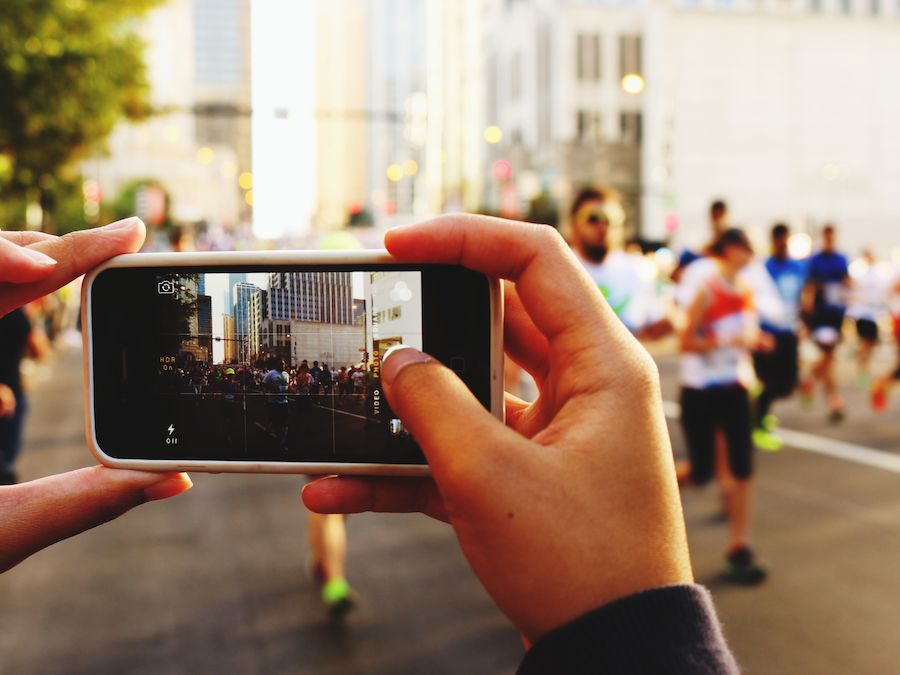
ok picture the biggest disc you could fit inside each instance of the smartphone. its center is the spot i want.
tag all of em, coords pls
(271, 361)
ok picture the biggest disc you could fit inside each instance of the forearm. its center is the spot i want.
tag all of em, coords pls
(672, 630)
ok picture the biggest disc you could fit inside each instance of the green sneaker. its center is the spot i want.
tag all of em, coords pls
(766, 441)
(771, 422)
(338, 597)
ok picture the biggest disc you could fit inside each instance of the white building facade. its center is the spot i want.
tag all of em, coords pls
(785, 109)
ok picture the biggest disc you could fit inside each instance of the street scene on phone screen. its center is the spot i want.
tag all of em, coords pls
(282, 365)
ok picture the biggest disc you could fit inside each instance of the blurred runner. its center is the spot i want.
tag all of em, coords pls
(722, 328)
(881, 385)
(778, 368)
(598, 239)
(19, 338)
(867, 305)
(825, 301)
(275, 384)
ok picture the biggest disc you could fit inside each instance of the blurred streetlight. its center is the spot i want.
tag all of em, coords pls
(493, 134)
(245, 180)
(410, 167)
(632, 83)
(394, 173)
(502, 169)
(248, 197)
(205, 155)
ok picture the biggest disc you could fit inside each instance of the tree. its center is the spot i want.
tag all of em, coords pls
(69, 71)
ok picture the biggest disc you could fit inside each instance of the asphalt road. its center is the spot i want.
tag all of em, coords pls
(215, 580)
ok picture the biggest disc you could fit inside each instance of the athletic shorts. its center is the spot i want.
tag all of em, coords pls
(703, 412)
(867, 330)
(778, 370)
(826, 327)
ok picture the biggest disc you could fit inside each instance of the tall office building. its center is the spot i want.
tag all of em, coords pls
(229, 339)
(241, 294)
(204, 323)
(311, 296)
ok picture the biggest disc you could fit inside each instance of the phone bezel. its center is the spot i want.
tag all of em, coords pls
(264, 258)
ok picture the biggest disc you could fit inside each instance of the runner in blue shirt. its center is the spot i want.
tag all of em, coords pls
(778, 369)
(825, 301)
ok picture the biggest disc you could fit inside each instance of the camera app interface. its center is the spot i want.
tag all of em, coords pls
(282, 366)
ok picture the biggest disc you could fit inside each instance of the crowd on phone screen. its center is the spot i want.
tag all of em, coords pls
(270, 376)
(740, 318)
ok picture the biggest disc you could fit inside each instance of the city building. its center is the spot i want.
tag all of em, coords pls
(198, 143)
(779, 107)
(241, 295)
(311, 296)
(204, 325)
(259, 327)
(229, 339)
(396, 316)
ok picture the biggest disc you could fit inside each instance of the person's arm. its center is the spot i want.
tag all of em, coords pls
(572, 506)
(672, 630)
(7, 401)
(39, 513)
(691, 339)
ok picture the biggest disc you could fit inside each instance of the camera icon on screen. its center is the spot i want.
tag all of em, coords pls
(165, 287)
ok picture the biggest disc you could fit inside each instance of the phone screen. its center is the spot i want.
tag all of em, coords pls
(273, 365)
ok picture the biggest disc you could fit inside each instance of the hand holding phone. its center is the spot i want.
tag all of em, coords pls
(38, 513)
(572, 504)
(271, 361)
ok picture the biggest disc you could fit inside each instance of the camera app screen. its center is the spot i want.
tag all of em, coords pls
(282, 366)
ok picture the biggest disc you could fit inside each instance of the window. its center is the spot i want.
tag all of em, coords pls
(629, 55)
(588, 57)
(587, 125)
(815, 5)
(846, 6)
(874, 7)
(630, 124)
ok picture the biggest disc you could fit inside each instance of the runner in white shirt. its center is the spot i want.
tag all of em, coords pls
(598, 241)
(867, 305)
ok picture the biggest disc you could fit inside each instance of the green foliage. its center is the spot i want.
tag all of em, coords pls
(69, 71)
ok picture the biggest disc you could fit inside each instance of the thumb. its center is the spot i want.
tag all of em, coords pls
(37, 514)
(444, 417)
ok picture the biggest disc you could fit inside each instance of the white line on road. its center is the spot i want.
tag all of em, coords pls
(849, 452)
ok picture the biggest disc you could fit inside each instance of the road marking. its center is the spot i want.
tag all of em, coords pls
(850, 452)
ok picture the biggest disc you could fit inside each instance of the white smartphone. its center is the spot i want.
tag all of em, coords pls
(271, 361)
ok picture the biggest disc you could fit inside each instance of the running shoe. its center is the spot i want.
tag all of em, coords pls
(766, 441)
(771, 422)
(339, 598)
(878, 397)
(741, 567)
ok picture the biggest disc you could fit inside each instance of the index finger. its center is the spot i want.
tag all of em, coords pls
(553, 287)
(75, 254)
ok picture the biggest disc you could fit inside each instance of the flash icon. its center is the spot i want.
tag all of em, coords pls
(171, 429)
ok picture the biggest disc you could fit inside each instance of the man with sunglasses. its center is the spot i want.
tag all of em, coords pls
(598, 239)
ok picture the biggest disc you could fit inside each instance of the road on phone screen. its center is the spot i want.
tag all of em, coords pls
(216, 581)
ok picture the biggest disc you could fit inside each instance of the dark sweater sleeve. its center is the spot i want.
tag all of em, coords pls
(672, 630)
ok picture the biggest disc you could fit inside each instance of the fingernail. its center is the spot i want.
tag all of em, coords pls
(397, 358)
(122, 224)
(38, 257)
(168, 486)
